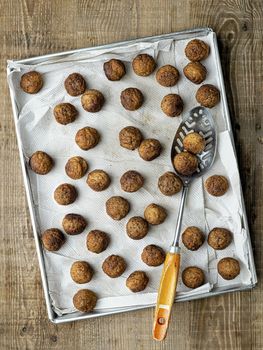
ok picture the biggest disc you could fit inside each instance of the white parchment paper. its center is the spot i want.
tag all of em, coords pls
(39, 131)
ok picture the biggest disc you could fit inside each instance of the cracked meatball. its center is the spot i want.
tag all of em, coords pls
(131, 181)
(167, 75)
(53, 239)
(41, 163)
(137, 281)
(81, 272)
(98, 180)
(185, 163)
(197, 50)
(228, 268)
(150, 149)
(194, 143)
(85, 300)
(193, 238)
(216, 185)
(75, 84)
(152, 255)
(130, 137)
(117, 207)
(31, 82)
(74, 224)
(193, 277)
(65, 113)
(114, 266)
(114, 69)
(219, 238)
(195, 72)
(143, 65)
(155, 214)
(169, 183)
(97, 241)
(87, 138)
(76, 167)
(172, 105)
(208, 95)
(92, 100)
(131, 99)
(137, 227)
(65, 194)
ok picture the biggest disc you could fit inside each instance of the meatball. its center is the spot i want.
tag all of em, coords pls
(194, 143)
(228, 268)
(31, 82)
(195, 72)
(172, 105)
(87, 138)
(185, 163)
(75, 84)
(131, 99)
(130, 137)
(137, 281)
(53, 239)
(169, 184)
(193, 238)
(196, 50)
(131, 181)
(143, 65)
(81, 272)
(216, 185)
(85, 300)
(152, 255)
(97, 241)
(208, 95)
(219, 238)
(41, 163)
(65, 113)
(137, 227)
(155, 214)
(74, 224)
(76, 167)
(150, 149)
(167, 75)
(193, 277)
(117, 207)
(98, 180)
(114, 266)
(114, 69)
(65, 194)
(92, 100)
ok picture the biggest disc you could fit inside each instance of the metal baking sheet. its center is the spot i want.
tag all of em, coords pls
(188, 34)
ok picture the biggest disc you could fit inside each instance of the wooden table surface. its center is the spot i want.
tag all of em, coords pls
(36, 27)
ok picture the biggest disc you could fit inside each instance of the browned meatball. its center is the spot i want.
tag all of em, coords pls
(216, 185)
(85, 300)
(76, 167)
(193, 238)
(169, 184)
(155, 214)
(172, 105)
(131, 99)
(193, 277)
(81, 272)
(114, 266)
(137, 281)
(167, 75)
(117, 207)
(53, 239)
(65, 194)
(194, 143)
(137, 227)
(185, 163)
(150, 149)
(92, 100)
(75, 84)
(208, 95)
(31, 82)
(114, 69)
(41, 163)
(196, 50)
(219, 238)
(195, 72)
(87, 138)
(74, 224)
(131, 181)
(98, 180)
(143, 65)
(97, 241)
(65, 113)
(130, 137)
(228, 268)
(152, 255)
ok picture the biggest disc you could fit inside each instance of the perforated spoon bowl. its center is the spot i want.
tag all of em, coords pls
(199, 120)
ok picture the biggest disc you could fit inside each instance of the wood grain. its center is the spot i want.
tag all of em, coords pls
(34, 27)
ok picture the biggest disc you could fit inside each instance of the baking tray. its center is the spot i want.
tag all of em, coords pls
(187, 34)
